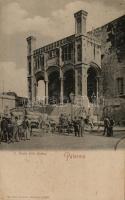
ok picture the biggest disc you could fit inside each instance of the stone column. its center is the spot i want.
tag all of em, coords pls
(97, 93)
(84, 80)
(61, 90)
(76, 82)
(34, 91)
(61, 86)
(60, 57)
(45, 78)
(61, 76)
(84, 85)
(31, 45)
(46, 92)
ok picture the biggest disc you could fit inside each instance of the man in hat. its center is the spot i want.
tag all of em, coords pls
(25, 125)
(4, 129)
(81, 127)
(76, 126)
(15, 130)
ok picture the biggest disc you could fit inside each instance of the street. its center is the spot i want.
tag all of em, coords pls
(46, 141)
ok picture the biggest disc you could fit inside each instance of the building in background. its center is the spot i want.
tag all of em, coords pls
(10, 100)
(7, 102)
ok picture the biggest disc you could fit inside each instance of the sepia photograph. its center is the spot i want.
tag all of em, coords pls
(62, 99)
(62, 75)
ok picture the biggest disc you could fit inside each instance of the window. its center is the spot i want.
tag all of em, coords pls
(120, 86)
(41, 61)
(67, 52)
(36, 63)
(52, 54)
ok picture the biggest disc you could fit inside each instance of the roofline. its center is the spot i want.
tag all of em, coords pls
(107, 23)
(73, 35)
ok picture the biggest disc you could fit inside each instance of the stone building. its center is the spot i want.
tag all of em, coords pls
(112, 39)
(88, 64)
(7, 102)
(10, 101)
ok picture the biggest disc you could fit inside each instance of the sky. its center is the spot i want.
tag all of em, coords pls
(47, 20)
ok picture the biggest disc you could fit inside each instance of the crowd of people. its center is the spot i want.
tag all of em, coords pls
(75, 125)
(78, 125)
(12, 129)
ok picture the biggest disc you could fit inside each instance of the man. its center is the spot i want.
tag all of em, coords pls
(4, 129)
(26, 128)
(61, 122)
(20, 129)
(111, 126)
(82, 126)
(10, 129)
(106, 126)
(15, 129)
(76, 126)
(69, 125)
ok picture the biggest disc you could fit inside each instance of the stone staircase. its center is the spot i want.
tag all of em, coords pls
(58, 109)
(74, 109)
(94, 112)
(54, 111)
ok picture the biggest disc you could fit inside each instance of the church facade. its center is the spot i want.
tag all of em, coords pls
(89, 65)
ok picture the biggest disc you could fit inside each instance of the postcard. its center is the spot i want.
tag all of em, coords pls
(62, 100)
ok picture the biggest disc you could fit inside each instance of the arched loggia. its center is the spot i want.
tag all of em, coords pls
(69, 84)
(92, 82)
(54, 87)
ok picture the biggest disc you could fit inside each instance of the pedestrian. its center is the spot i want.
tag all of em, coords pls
(4, 129)
(81, 126)
(61, 123)
(112, 122)
(15, 130)
(106, 126)
(20, 129)
(26, 128)
(76, 126)
(43, 126)
(48, 126)
(10, 130)
(69, 126)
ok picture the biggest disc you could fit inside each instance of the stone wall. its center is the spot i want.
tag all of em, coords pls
(112, 37)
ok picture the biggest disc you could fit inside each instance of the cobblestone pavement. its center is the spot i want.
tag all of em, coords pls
(90, 141)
